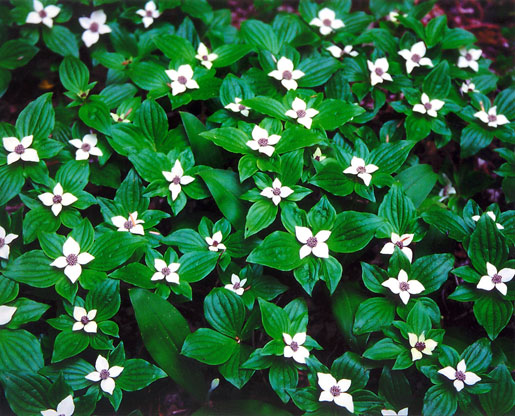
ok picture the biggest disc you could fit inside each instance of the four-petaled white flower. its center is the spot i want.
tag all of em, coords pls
(294, 349)
(182, 79)
(492, 217)
(42, 14)
(86, 147)
(5, 240)
(105, 374)
(415, 56)
(379, 71)
(402, 412)
(401, 241)
(57, 199)
(276, 192)
(236, 285)
(215, 242)
(358, 167)
(72, 260)
(262, 142)
(460, 375)
(338, 52)
(404, 287)
(420, 345)
(327, 21)
(66, 407)
(333, 390)
(446, 192)
(496, 279)
(429, 107)
(84, 320)
(95, 26)
(303, 114)
(313, 244)
(204, 56)
(165, 271)
(176, 177)
(149, 14)
(236, 107)
(491, 117)
(20, 149)
(317, 155)
(6, 314)
(468, 58)
(286, 74)
(468, 86)
(393, 15)
(131, 224)
(120, 118)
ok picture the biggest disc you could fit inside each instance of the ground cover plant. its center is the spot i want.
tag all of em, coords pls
(283, 209)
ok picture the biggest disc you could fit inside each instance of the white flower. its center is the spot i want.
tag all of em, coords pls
(6, 314)
(236, 285)
(262, 142)
(72, 260)
(86, 147)
(182, 79)
(301, 113)
(312, 244)
(415, 56)
(294, 348)
(204, 56)
(165, 271)
(66, 407)
(358, 167)
(492, 216)
(327, 21)
(446, 191)
(5, 240)
(42, 14)
(57, 199)
(393, 15)
(215, 242)
(335, 391)
(467, 87)
(84, 320)
(131, 224)
(338, 52)
(176, 177)
(496, 279)
(492, 118)
(379, 71)
(420, 345)
(95, 26)
(20, 149)
(105, 374)
(120, 118)
(428, 106)
(468, 58)
(460, 375)
(236, 107)
(402, 412)
(404, 287)
(317, 155)
(402, 242)
(149, 14)
(286, 74)
(276, 192)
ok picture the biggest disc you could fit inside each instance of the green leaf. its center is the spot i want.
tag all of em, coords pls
(105, 298)
(435, 30)
(95, 114)
(373, 315)
(33, 268)
(447, 222)
(228, 54)
(74, 74)
(398, 209)
(351, 366)
(437, 83)
(39, 220)
(152, 120)
(176, 48)
(279, 250)
(474, 138)
(19, 350)
(499, 400)
(69, 344)
(11, 183)
(38, 118)
(62, 41)
(352, 231)
(28, 311)
(455, 38)
(138, 374)
(417, 181)
(332, 179)
(112, 249)
(296, 137)
(150, 76)
(275, 320)
(283, 376)
(209, 347)
(260, 215)
(225, 311)
(267, 106)
(16, 53)
(395, 387)
(439, 400)
(260, 35)
(25, 391)
(232, 371)
(478, 355)
(493, 314)
(231, 139)
(389, 157)
(205, 153)
(432, 271)
(317, 71)
(417, 127)
(385, 349)
(487, 244)
(196, 265)
(335, 113)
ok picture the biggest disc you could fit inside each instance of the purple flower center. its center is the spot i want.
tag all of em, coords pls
(42, 14)
(496, 278)
(176, 180)
(205, 58)
(128, 224)
(287, 75)
(468, 57)
(166, 271)
(492, 117)
(72, 259)
(327, 22)
(2, 242)
(263, 142)
(215, 243)
(241, 107)
(428, 106)
(399, 244)
(404, 286)
(294, 346)
(84, 320)
(420, 346)
(317, 158)
(361, 169)
(19, 149)
(182, 80)
(93, 27)
(149, 13)
(104, 375)
(57, 199)
(86, 147)
(276, 191)
(415, 58)
(312, 242)
(460, 375)
(335, 391)
(379, 71)
(236, 286)
(301, 113)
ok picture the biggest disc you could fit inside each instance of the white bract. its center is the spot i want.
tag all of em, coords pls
(460, 375)
(492, 217)
(215, 242)
(236, 285)
(303, 114)
(149, 13)
(182, 79)
(294, 349)
(86, 147)
(5, 240)
(42, 14)
(57, 199)
(72, 260)
(317, 155)
(176, 177)
(429, 107)
(95, 26)
(327, 21)
(20, 149)
(131, 224)
(358, 167)
(333, 390)
(496, 279)
(120, 118)
(6, 314)
(393, 15)
(379, 71)
(276, 192)
(262, 141)
(165, 271)
(415, 56)
(105, 374)
(420, 345)
(446, 192)
(204, 56)
(286, 74)
(338, 52)
(313, 244)
(66, 407)
(468, 86)
(402, 412)
(401, 241)
(403, 287)
(84, 320)
(491, 117)
(468, 58)
(236, 107)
